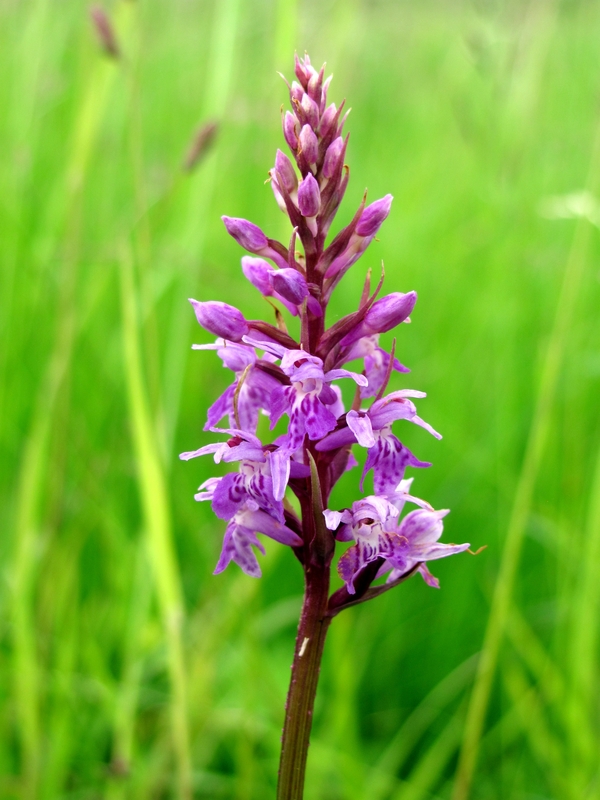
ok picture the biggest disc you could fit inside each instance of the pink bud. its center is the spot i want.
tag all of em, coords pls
(373, 216)
(221, 319)
(309, 197)
(384, 314)
(309, 144)
(296, 92)
(334, 154)
(246, 234)
(290, 284)
(286, 171)
(291, 126)
(315, 84)
(259, 273)
(311, 110)
(389, 311)
(327, 119)
(302, 73)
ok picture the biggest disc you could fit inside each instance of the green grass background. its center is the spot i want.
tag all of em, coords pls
(126, 669)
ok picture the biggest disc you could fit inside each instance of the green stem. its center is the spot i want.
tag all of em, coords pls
(310, 641)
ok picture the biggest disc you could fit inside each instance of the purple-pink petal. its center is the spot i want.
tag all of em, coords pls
(262, 522)
(237, 546)
(361, 427)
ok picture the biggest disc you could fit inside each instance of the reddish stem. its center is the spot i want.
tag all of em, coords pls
(312, 630)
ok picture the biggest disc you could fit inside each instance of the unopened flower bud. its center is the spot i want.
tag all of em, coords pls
(296, 92)
(291, 126)
(286, 171)
(383, 315)
(309, 144)
(246, 234)
(315, 85)
(221, 319)
(311, 110)
(290, 284)
(334, 154)
(373, 216)
(327, 119)
(302, 69)
(259, 273)
(324, 90)
(389, 311)
(309, 196)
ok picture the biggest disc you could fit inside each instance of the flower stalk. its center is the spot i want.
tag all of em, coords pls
(281, 377)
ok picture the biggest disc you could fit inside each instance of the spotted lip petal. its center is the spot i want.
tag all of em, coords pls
(373, 524)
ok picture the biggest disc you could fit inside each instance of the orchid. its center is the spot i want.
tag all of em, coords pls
(294, 383)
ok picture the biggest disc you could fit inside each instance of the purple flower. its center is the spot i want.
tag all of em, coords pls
(309, 196)
(245, 499)
(333, 156)
(286, 171)
(311, 110)
(306, 401)
(290, 284)
(384, 314)
(289, 373)
(252, 384)
(327, 120)
(309, 145)
(373, 526)
(240, 536)
(251, 238)
(247, 234)
(241, 445)
(376, 361)
(373, 217)
(292, 373)
(291, 129)
(261, 274)
(310, 402)
(387, 456)
(221, 319)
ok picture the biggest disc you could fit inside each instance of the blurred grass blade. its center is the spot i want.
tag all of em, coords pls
(221, 58)
(532, 652)
(582, 652)
(544, 745)
(432, 763)
(383, 775)
(521, 509)
(34, 465)
(157, 523)
(126, 702)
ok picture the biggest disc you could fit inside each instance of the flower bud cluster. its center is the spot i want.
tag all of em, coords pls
(296, 379)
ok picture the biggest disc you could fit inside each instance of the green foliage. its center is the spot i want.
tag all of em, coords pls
(127, 669)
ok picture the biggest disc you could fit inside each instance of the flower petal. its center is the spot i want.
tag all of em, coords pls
(262, 522)
(361, 427)
(280, 471)
(208, 448)
(229, 495)
(335, 374)
(237, 547)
